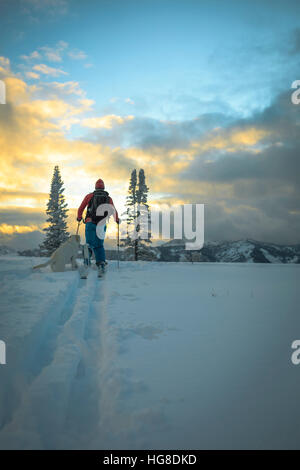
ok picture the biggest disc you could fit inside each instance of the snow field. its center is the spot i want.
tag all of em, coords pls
(155, 355)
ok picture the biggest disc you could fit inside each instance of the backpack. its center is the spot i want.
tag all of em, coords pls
(99, 197)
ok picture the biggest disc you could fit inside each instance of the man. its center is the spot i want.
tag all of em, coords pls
(92, 201)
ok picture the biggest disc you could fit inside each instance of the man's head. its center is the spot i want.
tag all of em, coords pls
(99, 184)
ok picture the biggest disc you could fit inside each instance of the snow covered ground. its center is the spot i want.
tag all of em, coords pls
(156, 355)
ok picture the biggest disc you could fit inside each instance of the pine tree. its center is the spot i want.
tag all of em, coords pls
(130, 214)
(56, 232)
(131, 200)
(138, 219)
(144, 251)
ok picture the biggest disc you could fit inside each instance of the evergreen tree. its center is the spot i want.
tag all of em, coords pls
(56, 232)
(138, 219)
(131, 200)
(144, 252)
(128, 243)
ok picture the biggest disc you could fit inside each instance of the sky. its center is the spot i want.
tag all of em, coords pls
(198, 93)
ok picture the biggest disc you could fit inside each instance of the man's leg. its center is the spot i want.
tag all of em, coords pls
(97, 244)
(90, 241)
(99, 250)
(86, 249)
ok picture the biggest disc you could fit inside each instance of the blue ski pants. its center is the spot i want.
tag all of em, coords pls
(96, 243)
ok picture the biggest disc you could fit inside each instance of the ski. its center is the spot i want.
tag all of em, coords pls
(101, 272)
(83, 272)
(86, 255)
(102, 269)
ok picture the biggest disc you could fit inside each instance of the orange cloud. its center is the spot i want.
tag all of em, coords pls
(12, 229)
(231, 141)
(106, 122)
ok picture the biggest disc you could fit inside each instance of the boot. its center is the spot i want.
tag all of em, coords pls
(101, 265)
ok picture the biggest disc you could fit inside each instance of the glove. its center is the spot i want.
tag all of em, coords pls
(118, 221)
(79, 219)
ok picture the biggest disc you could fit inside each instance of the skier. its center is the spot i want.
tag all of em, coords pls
(92, 201)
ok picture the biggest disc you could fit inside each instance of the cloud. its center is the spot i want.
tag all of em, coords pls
(77, 55)
(23, 197)
(148, 133)
(21, 228)
(32, 56)
(16, 229)
(4, 67)
(68, 91)
(67, 88)
(271, 163)
(54, 54)
(22, 216)
(51, 54)
(33, 75)
(106, 122)
(46, 70)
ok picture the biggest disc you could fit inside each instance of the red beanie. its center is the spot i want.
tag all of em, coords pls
(99, 184)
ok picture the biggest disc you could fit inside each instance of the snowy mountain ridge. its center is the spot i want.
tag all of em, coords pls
(241, 251)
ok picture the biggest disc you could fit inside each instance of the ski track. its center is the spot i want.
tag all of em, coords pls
(60, 370)
(36, 344)
(71, 354)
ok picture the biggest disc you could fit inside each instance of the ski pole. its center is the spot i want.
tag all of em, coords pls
(77, 228)
(119, 245)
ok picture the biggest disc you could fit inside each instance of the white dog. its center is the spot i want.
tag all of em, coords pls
(65, 254)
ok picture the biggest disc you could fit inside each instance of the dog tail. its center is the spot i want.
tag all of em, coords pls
(42, 265)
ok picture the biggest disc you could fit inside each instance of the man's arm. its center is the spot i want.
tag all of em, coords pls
(83, 205)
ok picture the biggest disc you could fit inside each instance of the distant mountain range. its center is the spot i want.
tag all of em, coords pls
(243, 251)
